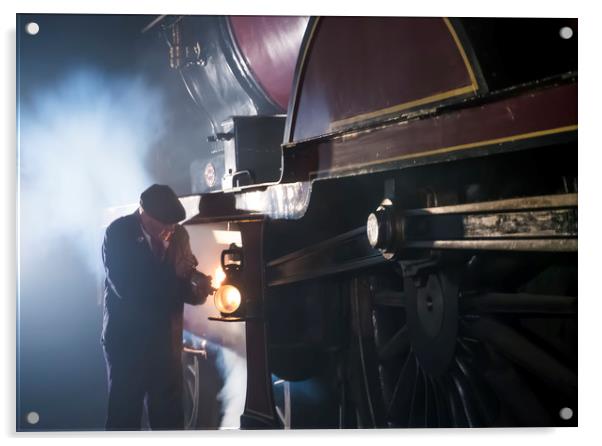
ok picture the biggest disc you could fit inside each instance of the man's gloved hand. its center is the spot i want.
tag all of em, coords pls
(201, 285)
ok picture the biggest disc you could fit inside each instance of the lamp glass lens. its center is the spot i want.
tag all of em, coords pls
(227, 299)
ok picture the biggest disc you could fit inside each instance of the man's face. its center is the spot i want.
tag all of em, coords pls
(157, 229)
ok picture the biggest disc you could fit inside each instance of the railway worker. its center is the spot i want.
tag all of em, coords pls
(149, 265)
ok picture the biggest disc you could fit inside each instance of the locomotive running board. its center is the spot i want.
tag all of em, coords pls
(539, 224)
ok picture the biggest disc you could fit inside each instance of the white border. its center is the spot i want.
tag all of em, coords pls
(590, 316)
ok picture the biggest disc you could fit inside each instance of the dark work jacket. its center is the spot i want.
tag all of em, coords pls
(143, 297)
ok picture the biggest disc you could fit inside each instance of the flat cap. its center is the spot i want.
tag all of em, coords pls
(162, 203)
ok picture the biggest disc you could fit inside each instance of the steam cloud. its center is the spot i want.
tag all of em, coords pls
(83, 143)
(232, 395)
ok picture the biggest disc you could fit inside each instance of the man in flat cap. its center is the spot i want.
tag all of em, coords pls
(149, 266)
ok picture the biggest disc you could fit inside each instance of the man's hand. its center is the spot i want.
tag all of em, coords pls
(201, 288)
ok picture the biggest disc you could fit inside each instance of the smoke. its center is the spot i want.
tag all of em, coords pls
(233, 368)
(83, 145)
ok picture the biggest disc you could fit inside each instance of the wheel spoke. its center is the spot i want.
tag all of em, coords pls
(458, 418)
(523, 352)
(397, 345)
(399, 408)
(418, 406)
(465, 397)
(425, 399)
(442, 405)
(519, 303)
(386, 377)
(484, 397)
(432, 415)
(515, 394)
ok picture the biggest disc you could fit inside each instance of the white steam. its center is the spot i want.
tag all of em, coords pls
(233, 393)
(83, 145)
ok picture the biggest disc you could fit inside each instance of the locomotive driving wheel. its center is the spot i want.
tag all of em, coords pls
(436, 350)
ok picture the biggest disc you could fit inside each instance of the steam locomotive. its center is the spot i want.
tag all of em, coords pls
(406, 193)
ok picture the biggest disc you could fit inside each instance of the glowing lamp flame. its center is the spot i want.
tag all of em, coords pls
(218, 277)
(227, 299)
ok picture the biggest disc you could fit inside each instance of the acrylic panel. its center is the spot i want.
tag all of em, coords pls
(360, 222)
